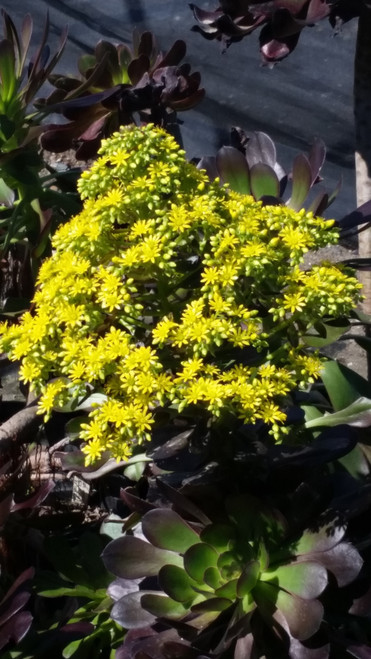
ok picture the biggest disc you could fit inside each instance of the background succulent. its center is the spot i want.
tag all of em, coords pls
(119, 85)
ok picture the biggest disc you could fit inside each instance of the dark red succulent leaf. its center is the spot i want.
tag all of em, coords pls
(15, 623)
(282, 21)
(119, 86)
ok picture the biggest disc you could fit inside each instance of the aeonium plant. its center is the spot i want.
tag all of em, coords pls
(237, 585)
(171, 293)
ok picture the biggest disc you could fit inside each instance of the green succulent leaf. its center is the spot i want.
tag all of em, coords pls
(131, 558)
(212, 577)
(164, 528)
(307, 579)
(162, 606)
(176, 583)
(303, 617)
(343, 385)
(212, 604)
(198, 559)
(233, 169)
(228, 590)
(326, 333)
(248, 579)
(7, 70)
(357, 414)
(301, 181)
(264, 181)
(219, 536)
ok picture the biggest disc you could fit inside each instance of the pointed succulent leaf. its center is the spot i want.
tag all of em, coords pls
(316, 158)
(130, 557)
(358, 414)
(7, 71)
(164, 528)
(361, 215)
(198, 559)
(326, 333)
(163, 606)
(343, 385)
(182, 503)
(233, 169)
(129, 613)
(303, 616)
(175, 55)
(176, 583)
(264, 181)
(319, 204)
(307, 579)
(248, 579)
(16, 628)
(301, 181)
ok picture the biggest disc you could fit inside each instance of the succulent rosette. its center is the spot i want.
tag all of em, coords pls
(117, 86)
(218, 581)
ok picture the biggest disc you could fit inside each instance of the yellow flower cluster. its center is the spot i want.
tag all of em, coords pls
(170, 290)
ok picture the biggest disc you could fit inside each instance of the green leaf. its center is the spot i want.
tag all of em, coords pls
(218, 536)
(7, 195)
(164, 528)
(301, 181)
(7, 70)
(264, 181)
(76, 591)
(162, 606)
(327, 333)
(233, 169)
(176, 583)
(307, 579)
(356, 463)
(343, 385)
(248, 578)
(198, 559)
(358, 414)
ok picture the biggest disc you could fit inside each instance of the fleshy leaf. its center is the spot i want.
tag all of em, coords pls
(130, 557)
(164, 528)
(301, 181)
(198, 559)
(162, 606)
(343, 561)
(130, 614)
(264, 181)
(233, 169)
(248, 578)
(218, 536)
(357, 414)
(313, 542)
(343, 385)
(303, 617)
(176, 583)
(307, 579)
